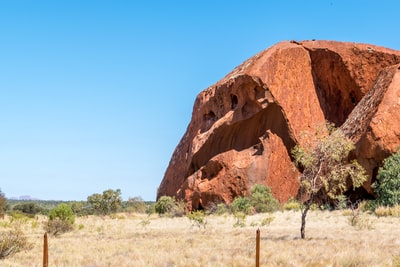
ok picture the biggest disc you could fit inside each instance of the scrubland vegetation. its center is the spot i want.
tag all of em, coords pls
(105, 231)
(335, 238)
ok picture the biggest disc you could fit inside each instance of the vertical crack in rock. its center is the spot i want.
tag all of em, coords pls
(359, 119)
(336, 89)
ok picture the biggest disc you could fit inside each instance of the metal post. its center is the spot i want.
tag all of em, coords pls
(258, 248)
(45, 252)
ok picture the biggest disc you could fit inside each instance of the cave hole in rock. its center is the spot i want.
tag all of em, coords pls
(210, 116)
(353, 98)
(234, 101)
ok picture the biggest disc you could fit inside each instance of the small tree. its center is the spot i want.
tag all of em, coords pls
(326, 170)
(106, 203)
(387, 185)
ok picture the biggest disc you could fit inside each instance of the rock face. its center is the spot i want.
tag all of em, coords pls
(244, 127)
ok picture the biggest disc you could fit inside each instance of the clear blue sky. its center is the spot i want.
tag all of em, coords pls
(97, 94)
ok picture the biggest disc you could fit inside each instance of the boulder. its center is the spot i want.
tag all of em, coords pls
(243, 127)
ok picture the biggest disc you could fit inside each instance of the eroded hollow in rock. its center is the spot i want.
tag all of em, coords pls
(338, 93)
(234, 101)
(237, 136)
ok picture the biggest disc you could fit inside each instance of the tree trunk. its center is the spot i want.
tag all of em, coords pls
(303, 220)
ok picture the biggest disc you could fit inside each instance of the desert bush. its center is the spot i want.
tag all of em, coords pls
(221, 209)
(17, 216)
(136, 204)
(387, 185)
(169, 206)
(341, 202)
(368, 205)
(28, 208)
(61, 220)
(12, 242)
(197, 218)
(292, 204)
(79, 208)
(261, 199)
(267, 220)
(106, 203)
(151, 209)
(243, 205)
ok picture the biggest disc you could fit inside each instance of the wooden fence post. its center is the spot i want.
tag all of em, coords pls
(258, 248)
(45, 252)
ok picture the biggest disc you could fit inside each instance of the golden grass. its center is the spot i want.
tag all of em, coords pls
(139, 240)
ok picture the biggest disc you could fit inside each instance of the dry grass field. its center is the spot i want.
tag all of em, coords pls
(140, 240)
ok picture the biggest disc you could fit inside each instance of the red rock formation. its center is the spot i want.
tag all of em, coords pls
(244, 126)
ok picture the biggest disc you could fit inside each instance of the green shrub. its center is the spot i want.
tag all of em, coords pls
(151, 209)
(387, 185)
(221, 209)
(292, 204)
(61, 220)
(17, 216)
(261, 199)
(12, 242)
(267, 220)
(136, 204)
(243, 205)
(197, 218)
(28, 208)
(168, 206)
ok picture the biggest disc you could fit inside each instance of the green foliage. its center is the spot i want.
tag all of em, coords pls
(243, 205)
(151, 209)
(168, 206)
(341, 202)
(12, 242)
(61, 220)
(261, 199)
(221, 209)
(28, 208)
(387, 186)
(136, 204)
(267, 220)
(292, 204)
(79, 208)
(106, 203)
(327, 170)
(197, 218)
(62, 212)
